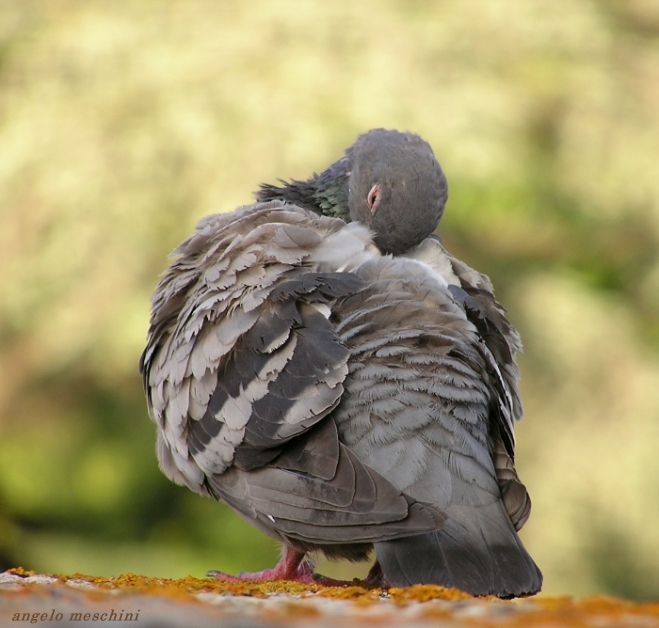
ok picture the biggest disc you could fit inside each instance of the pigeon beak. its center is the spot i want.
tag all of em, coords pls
(373, 198)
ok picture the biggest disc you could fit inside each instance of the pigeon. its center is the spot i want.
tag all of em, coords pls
(320, 363)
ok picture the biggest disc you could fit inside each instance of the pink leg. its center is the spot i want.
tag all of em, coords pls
(375, 576)
(292, 566)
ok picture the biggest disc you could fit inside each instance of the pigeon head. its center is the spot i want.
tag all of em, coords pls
(396, 187)
(387, 180)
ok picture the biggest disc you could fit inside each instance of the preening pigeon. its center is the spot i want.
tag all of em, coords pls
(320, 363)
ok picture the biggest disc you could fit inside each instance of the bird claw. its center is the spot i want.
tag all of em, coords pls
(302, 573)
(291, 567)
(221, 575)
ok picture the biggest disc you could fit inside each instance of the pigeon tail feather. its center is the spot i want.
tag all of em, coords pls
(477, 551)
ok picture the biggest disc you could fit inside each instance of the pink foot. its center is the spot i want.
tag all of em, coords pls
(291, 567)
(375, 577)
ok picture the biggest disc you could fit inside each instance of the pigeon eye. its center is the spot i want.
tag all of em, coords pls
(373, 198)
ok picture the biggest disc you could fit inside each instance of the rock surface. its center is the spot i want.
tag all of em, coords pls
(77, 600)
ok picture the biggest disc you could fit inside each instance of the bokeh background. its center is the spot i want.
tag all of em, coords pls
(122, 123)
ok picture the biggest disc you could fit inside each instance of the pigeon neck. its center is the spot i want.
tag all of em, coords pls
(331, 191)
(325, 193)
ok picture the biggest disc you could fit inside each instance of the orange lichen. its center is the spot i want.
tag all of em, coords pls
(189, 585)
(355, 593)
(425, 593)
(19, 571)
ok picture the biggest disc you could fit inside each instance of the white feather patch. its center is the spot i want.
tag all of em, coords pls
(431, 253)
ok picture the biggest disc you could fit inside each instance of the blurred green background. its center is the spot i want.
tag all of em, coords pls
(122, 123)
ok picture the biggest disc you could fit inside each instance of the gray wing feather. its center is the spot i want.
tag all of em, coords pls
(203, 312)
(335, 500)
(242, 363)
